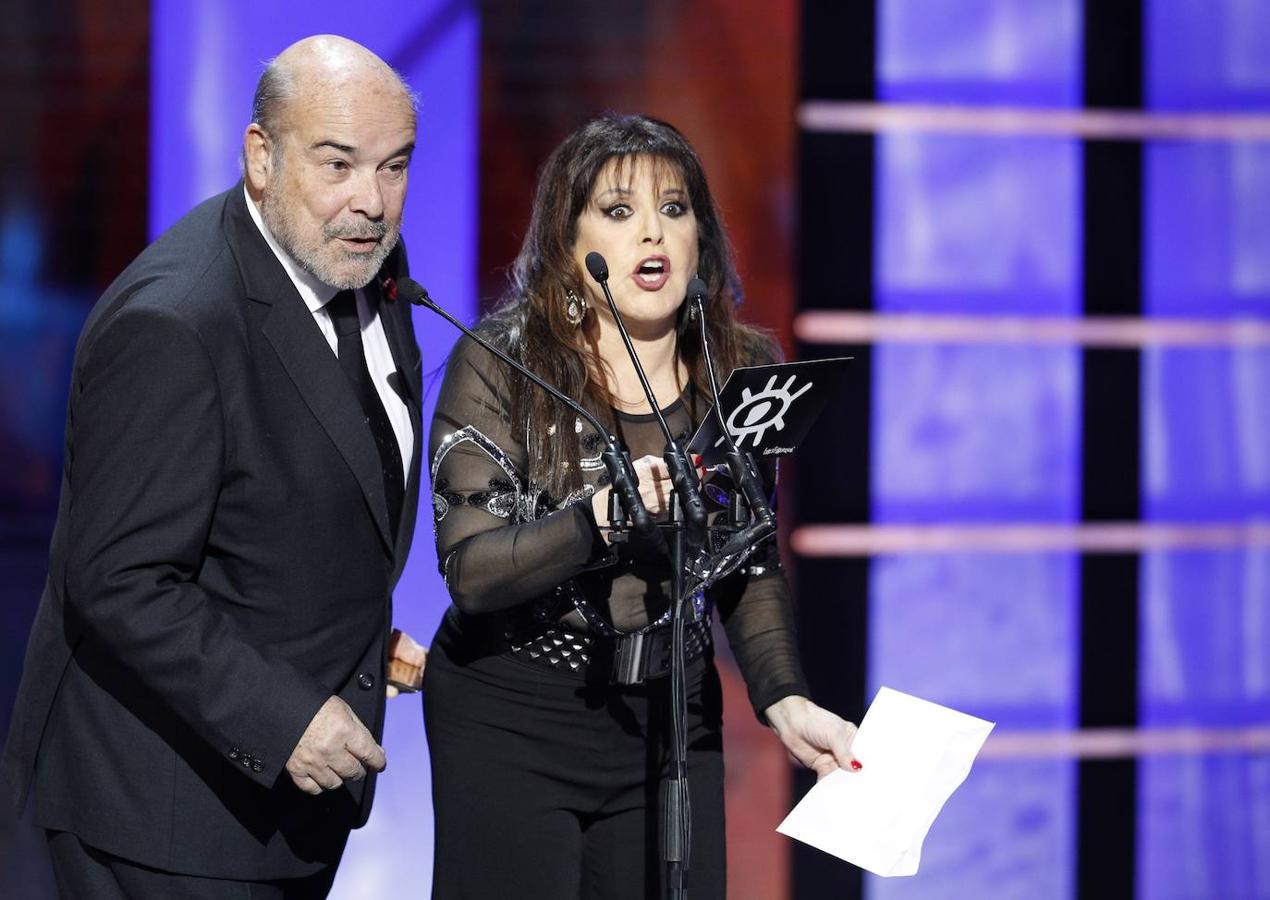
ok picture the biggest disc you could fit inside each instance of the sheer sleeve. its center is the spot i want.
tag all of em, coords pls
(756, 606)
(493, 553)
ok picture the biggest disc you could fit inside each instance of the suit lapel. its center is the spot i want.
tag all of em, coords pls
(307, 358)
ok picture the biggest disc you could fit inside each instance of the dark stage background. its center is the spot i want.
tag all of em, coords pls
(1043, 497)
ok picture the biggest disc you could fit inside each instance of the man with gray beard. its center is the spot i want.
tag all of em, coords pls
(203, 694)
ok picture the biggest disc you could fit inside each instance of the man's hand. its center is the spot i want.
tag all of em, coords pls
(406, 659)
(813, 736)
(335, 748)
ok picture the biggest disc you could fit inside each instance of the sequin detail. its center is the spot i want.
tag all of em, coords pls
(503, 498)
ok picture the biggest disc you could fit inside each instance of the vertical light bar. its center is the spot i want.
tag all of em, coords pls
(1203, 821)
(986, 434)
(205, 65)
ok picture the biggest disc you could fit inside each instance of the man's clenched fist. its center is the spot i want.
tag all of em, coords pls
(335, 748)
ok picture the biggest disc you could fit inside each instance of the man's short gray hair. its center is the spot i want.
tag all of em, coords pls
(275, 87)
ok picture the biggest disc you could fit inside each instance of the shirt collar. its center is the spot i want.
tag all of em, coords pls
(313, 291)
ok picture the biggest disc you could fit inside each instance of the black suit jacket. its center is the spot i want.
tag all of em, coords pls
(222, 563)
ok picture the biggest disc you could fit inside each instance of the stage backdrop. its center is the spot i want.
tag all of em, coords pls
(1059, 211)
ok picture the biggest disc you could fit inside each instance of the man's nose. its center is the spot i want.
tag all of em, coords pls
(368, 196)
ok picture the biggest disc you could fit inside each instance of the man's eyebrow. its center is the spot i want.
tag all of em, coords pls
(404, 150)
(334, 145)
(407, 149)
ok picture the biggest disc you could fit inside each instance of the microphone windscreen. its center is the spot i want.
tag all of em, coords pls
(696, 288)
(411, 290)
(596, 265)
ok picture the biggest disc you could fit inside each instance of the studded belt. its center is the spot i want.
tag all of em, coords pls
(625, 659)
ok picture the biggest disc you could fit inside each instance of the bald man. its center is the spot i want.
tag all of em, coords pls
(203, 693)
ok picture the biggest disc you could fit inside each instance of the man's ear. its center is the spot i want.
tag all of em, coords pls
(257, 157)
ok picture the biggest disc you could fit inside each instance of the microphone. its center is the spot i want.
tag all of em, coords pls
(739, 462)
(683, 474)
(621, 473)
(598, 268)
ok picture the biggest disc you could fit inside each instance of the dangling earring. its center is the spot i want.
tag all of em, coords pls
(574, 308)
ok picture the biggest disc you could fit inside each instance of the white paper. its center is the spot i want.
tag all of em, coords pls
(915, 754)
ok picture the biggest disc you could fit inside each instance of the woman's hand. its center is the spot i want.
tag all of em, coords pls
(654, 489)
(813, 736)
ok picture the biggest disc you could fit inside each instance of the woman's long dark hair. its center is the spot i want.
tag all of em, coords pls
(530, 322)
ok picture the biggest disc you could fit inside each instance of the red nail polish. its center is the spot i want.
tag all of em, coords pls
(857, 765)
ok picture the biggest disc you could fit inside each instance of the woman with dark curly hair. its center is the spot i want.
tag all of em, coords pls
(546, 759)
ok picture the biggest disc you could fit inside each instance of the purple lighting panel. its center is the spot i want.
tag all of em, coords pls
(1000, 52)
(1204, 820)
(1207, 54)
(981, 433)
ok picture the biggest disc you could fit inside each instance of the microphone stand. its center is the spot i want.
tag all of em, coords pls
(686, 504)
(616, 460)
(740, 464)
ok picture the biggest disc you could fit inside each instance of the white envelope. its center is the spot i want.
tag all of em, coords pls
(915, 754)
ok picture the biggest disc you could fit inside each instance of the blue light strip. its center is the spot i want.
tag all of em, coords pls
(971, 224)
(1202, 826)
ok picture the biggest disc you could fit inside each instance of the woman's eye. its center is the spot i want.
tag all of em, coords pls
(617, 211)
(674, 209)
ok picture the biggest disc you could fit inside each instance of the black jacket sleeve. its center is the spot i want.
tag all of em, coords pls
(145, 471)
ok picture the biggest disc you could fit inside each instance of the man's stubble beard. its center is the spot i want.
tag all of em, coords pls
(281, 225)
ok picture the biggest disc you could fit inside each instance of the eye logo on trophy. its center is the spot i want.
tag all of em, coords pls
(761, 411)
(769, 409)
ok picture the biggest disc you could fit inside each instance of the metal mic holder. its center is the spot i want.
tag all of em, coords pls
(748, 500)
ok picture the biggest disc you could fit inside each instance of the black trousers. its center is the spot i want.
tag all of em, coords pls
(545, 787)
(83, 872)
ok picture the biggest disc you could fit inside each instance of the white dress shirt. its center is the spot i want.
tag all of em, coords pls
(316, 294)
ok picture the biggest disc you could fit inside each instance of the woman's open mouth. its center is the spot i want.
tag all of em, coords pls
(652, 273)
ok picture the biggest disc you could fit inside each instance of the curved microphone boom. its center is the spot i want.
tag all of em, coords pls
(683, 475)
(621, 472)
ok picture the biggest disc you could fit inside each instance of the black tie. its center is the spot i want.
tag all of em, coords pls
(343, 312)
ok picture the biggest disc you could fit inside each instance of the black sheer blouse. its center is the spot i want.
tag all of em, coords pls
(501, 542)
